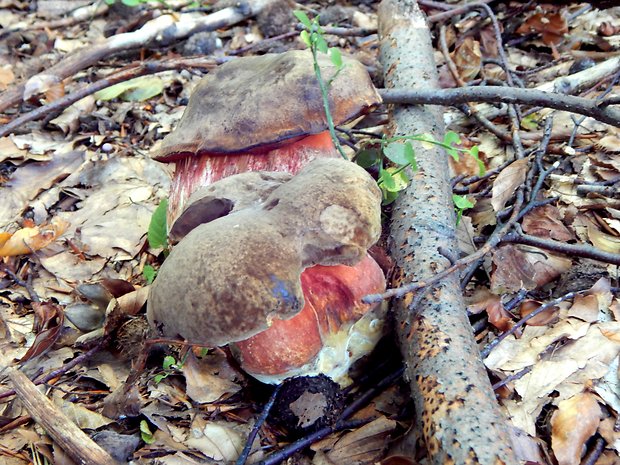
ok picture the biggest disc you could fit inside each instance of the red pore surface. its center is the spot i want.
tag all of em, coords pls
(196, 171)
(333, 302)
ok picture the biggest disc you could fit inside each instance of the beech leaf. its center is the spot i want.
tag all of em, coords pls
(507, 182)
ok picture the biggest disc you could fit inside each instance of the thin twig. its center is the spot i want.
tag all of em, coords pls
(495, 94)
(484, 353)
(257, 426)
(511, 378)
(572, 250)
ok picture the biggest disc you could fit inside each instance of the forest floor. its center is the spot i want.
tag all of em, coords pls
(78, 189)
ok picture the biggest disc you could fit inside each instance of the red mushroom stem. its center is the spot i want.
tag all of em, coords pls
(197, 171)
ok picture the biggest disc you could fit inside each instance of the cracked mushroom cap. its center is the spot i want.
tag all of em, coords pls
(264, 101)
(228, 279)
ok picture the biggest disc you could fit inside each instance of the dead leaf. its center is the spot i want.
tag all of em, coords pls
(516, 267)
(217, 440)
(547, 316)
(552, 26)
(468, 58)
(80, 415)
(575, 421)
(605, 242)
(545, 222)
(28, 240)
(209, 378)
(6, 76)
(47, 326)
(507, 182)
(27, 181)
(364, 445)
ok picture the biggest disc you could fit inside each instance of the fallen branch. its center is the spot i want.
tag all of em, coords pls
(161, 30)
(459, 416)
(497, 94)
(79, 446)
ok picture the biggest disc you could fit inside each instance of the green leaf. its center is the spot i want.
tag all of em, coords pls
(159, 378)
(321, 44)
(110, 2)
(449, 140)
(400, 154)
(399, 177)
(474, 152)
(451, 137)
(302, 17)
(134, 90)
(305, 38)
(145, 433)
(389, 197)
(157, 234)
(149, 274)
(144, 89)
(461, 202)
(336, 56)
(131, 2)
(387, 181)
(368, 157)
(169, 360)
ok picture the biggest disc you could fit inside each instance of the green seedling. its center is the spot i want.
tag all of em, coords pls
(157, 236)
(170, 366)
(312, 36)
(145, 433)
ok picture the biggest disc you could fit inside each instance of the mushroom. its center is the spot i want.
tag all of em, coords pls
(238, 275)
(261, 113)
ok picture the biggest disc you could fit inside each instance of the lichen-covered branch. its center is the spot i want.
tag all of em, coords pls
(459, 417)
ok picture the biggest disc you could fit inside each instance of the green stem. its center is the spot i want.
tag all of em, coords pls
(325, 96)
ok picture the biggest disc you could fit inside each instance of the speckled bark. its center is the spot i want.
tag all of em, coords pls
(460, 420)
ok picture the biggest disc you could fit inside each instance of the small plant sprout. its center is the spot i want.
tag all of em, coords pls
(145, 433)
(461, 203)
(170, 366)
(400, 153)
(313, 37)
(157, 236)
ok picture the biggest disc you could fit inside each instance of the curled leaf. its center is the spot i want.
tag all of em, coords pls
(31, 239)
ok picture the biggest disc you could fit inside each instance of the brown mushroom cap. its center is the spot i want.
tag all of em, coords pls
(261, 101)
(229, 278)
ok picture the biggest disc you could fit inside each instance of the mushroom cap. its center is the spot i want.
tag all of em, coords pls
(227, 279)
(230, 194)
(263, 101)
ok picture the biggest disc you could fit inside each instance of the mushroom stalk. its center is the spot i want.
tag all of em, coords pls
(193, 172)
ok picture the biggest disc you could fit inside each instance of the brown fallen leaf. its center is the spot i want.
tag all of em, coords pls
(552, 26)
(49, 319)
(517, 267)
(605, 242)
(365, 445)
(545, 222)
(507, 182)
(528, 306)
(468, 58)
(575, 421)
(28, 240)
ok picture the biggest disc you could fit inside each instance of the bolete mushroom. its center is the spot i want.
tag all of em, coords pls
(261, 113)
(231, 279)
